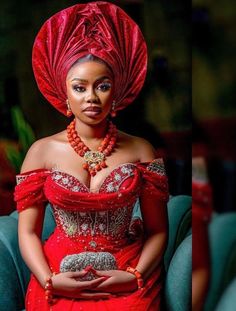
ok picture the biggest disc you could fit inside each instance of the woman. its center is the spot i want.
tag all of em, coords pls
(90, 61)
(202, 210)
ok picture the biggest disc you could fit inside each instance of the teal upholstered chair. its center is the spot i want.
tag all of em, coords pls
(222, 240)
(180, 218)
(228, 299)
(179, 277)
(177, 258)
(14, 275)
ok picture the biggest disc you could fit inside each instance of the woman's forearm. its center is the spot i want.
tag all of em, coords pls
(152, 254)
(200, 281)
(33, 255)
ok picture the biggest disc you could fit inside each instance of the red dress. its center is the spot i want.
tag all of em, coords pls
(98, 223)
(201, 216)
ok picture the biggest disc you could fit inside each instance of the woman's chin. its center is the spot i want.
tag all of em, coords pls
(93, 119)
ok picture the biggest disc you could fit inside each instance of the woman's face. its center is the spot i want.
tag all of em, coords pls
(90, 90)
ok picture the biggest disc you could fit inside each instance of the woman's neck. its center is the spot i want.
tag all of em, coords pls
(88, 132)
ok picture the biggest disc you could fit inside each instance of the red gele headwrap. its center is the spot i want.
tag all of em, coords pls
(98, 28)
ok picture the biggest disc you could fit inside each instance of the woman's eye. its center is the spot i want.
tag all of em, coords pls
(104, 86)
(78, 88)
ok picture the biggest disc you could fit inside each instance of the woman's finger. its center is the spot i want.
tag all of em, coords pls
(104, 273)
(77, 274)
(91, 284)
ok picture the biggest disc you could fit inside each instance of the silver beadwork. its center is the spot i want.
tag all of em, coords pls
(98, 260)
(157, 166)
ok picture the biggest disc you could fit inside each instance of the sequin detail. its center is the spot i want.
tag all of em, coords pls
(20, 178)
(113, 182)
(68, 181)
(157, 166)
(114, 223)
(99, 261)
(108, 223)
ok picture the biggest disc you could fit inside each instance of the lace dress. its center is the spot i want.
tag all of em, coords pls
(97, 228)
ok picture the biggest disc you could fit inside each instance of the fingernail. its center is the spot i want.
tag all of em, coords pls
(88, 268)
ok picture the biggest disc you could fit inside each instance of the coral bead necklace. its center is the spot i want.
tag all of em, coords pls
(94, 160)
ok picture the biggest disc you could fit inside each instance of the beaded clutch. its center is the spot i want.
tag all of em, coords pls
(99, 261)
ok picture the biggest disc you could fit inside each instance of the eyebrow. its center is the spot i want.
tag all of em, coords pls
(78, 79)
(85, 81)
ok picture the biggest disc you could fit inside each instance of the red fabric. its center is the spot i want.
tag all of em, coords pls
(202, 210)
(40, 187)
(141, 183)
(97, 28)
(30, 191)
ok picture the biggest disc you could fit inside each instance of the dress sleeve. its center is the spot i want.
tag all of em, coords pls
(29, 190)
(202, 210)
(154, 194)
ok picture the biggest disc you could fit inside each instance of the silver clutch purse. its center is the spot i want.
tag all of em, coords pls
(98, 260)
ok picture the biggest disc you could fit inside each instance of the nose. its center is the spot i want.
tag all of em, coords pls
(92, 96)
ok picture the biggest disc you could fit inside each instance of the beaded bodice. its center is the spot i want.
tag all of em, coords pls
(95, 220)
(113, 223)
(111, 183)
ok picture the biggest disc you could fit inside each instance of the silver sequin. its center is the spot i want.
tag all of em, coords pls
(98, 260)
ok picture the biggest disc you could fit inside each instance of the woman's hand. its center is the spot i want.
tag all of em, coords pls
(68, 284)
(118, 281)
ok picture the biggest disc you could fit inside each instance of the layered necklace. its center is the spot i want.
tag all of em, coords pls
(94, 160)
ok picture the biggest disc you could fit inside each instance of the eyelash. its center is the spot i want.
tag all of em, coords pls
(79, 89)
(103, 87)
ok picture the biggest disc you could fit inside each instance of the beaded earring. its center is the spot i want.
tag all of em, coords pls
(113, 107)
(68, 111)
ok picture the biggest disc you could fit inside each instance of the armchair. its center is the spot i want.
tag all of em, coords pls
(14, 275)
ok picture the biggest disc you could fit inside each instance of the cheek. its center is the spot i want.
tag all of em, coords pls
(73, 95)
(107, 101)
(68, 88)
(108, 97)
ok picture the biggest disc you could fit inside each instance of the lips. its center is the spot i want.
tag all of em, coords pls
(92, 111)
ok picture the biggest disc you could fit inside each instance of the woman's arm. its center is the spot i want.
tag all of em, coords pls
(64, 284)
(31, 221)
(154, 212)
(152, 253)
(153, 250)
(155, 221)
(29, 231)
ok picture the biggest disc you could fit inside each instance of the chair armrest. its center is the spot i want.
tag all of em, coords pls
(228, 299)
(179, 217)
(9, 237)
(12, 297)
(9, 242)
(178, 278)
(222, 240)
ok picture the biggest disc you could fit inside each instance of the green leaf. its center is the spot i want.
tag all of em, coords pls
(25, 139)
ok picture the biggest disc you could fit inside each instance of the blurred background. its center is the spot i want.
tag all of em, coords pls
(213, 155)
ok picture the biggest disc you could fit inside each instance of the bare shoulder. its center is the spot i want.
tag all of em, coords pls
(39, 152)
(143, 149)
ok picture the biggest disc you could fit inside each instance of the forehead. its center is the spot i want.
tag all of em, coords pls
(89, 69)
